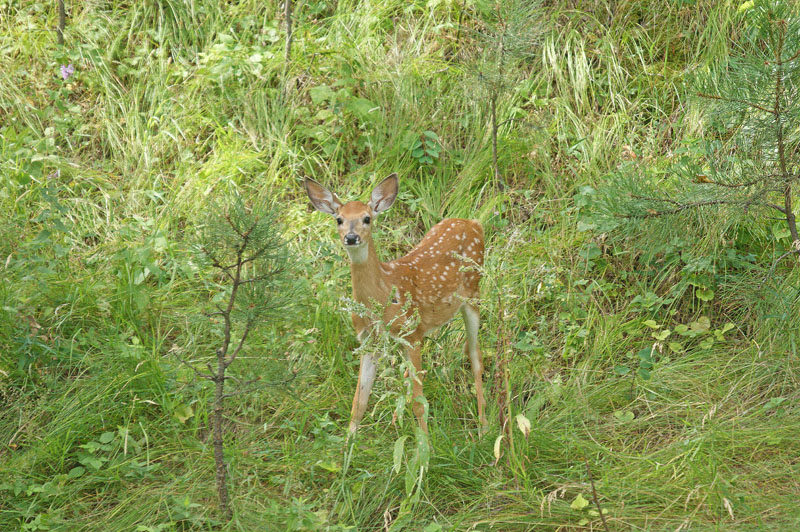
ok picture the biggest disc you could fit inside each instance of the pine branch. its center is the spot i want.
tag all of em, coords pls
(755, 104)
(679, 206)
(731, 185)
(779, 259)
(777, 208)
(208, 376)
(244, 387)
(735, 100)
(795, 56)
(242, 340)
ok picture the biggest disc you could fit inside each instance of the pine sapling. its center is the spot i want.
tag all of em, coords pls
(245, 247)
(507, 35)
(750, 160)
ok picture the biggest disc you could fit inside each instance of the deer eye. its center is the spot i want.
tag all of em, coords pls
(339, 221)
(366, 219)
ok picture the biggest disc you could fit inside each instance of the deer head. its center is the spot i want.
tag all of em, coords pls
(354, 219)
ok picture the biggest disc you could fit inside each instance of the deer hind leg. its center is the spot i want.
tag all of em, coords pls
(472, 325)
(366, 378)
(413, 354)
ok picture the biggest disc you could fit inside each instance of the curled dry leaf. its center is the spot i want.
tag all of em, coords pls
(497, 449)
(524, 425)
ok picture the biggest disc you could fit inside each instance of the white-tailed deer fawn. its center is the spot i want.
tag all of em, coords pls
(431, 285)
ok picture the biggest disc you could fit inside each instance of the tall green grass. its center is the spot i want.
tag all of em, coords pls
(174, 102)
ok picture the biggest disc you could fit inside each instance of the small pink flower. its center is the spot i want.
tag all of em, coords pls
(67, 71)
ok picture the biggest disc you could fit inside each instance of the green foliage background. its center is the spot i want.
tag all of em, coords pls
(105, 178)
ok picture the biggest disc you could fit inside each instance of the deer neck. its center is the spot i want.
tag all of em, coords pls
(366, 274)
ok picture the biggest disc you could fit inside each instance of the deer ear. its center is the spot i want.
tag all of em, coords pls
(321, 198)
(384, 194)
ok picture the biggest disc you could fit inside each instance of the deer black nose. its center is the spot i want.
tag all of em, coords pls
(351, 239)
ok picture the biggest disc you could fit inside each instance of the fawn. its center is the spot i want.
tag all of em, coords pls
(431, 285)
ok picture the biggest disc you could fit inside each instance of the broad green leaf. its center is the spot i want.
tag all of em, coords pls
(524, 343)
(661, 335)
(645, 374)
(398, 453)
(362, 108)
(43, 236)
(623, 416)
(645, 354)
(703, 324)
(327, 465)
(591, 252)
(579, 503)
(704, 294)
(91, 461)
(622, 370)
(651, 323)
(780, 231)
(676, 347)
(746, 6)
(320, 93)
(106, 437)
(400, 407)
(76, 471)
(183, 412)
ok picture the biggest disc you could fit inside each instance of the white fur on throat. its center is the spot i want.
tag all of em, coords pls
(358, 254)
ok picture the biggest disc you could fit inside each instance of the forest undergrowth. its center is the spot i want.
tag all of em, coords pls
(642, 371)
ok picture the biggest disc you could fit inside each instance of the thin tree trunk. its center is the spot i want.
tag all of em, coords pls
(458, 27)
(219, 455)
(288, 15)
(219, 391)
(62, 21)
(778, 111)
(495, 95)
(594, 495)
(500, 385)
(497, 181)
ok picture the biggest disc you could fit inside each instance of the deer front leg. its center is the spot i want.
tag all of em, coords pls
(414, 356)
(472, 349)
(366, 378)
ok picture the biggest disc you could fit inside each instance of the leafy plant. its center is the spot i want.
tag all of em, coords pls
(643, 365)
(342, 118)
(426, 148)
